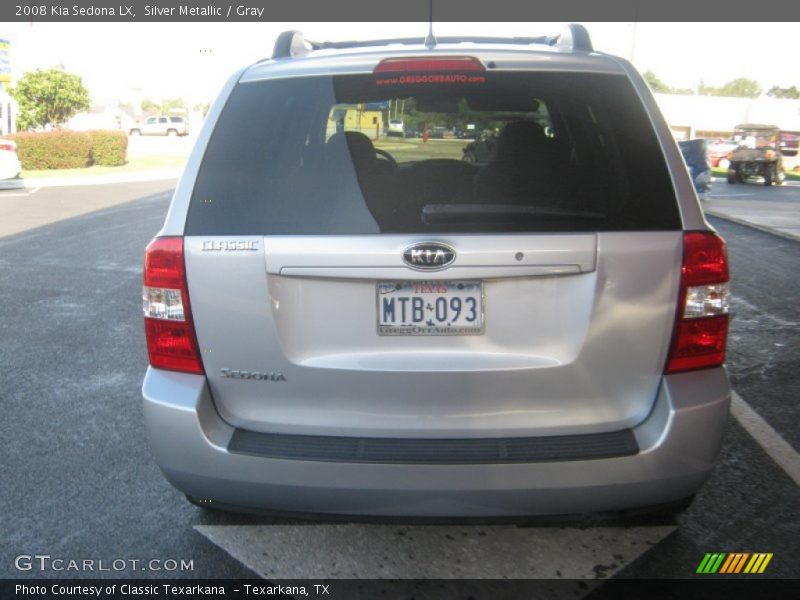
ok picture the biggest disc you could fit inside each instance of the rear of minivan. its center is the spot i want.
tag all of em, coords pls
(339, 322)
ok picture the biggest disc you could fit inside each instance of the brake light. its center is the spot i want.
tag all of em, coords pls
(701, 324)
(171, 340)
(458, 64)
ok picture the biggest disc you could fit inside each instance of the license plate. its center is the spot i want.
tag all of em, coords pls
(430, 307)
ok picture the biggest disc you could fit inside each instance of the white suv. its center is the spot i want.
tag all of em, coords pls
(342, 323)
(171, 126)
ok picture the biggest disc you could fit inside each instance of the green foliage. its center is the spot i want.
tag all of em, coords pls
(779, 92)
(71, 149)
(739, 88)
(168, 106)
(658, 86)
(54, 149)
(109, 148)
(464, 115)
(655, 83)
(173, 106)
(48, 97)
(150, 108)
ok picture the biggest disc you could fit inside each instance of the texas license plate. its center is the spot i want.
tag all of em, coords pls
(430, 307)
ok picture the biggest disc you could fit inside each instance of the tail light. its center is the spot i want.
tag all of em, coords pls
(701, 324)
(9, 145)
(171, 340)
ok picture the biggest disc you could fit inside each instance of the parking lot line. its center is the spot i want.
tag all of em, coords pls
(770, 440)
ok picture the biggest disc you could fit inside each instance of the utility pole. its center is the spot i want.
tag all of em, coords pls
(634, 35)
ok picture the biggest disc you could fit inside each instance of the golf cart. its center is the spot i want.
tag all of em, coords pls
(757, 154)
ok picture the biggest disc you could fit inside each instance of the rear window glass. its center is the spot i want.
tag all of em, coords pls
(514, 152)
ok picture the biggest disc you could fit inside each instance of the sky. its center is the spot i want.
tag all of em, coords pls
(118, 61)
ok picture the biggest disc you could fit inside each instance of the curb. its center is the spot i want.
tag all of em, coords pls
(764, 228)
(152, 175)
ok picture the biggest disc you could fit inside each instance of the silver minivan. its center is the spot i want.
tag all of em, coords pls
(341, 322)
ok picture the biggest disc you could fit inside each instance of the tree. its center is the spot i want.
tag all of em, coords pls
(150, 108)
(779, 92)
(658, 86)
(167, 106)
(173, 105)
(655, 83)
(740, 88)
(48, 97)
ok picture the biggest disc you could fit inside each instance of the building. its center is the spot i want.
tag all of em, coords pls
(362, 117)
(713, 117)
(102, 117)
(7, 105)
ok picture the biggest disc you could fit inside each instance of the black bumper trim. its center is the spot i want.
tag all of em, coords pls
(439, 451)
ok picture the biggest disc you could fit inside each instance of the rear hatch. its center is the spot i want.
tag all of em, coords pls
(344, 282)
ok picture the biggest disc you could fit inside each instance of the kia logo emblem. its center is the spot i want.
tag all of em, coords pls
(429, 256)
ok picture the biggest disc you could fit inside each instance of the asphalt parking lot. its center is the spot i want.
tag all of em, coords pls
(80, 482)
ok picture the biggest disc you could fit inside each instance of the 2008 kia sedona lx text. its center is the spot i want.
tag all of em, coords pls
(345, 322)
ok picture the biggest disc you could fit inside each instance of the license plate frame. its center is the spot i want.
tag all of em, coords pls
(430, 291)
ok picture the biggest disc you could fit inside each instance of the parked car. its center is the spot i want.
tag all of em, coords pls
(467, 134)
(396, 128)
(10, 166)
(696, 157)
(169, 125)
(758, 154)
(333, 328)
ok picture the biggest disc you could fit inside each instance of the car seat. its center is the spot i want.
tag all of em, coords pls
(376, 177)
(527, 169)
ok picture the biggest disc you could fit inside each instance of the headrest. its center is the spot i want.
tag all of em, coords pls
(521, 139)
(360, 145)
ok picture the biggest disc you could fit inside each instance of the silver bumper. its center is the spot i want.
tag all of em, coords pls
(679, 443)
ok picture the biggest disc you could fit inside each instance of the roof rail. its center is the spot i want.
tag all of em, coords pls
(574, 37)
(439, 40)
(292, 43)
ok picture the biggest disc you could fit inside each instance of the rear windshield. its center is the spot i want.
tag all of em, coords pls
(504, 152)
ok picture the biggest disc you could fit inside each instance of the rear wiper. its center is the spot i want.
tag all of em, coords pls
(438, 213)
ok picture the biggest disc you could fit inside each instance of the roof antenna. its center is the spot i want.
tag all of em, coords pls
(430, 40)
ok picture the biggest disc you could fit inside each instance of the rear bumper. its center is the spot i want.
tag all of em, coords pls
(679, 443)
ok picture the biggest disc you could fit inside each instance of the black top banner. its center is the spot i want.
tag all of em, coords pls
(405, 10)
